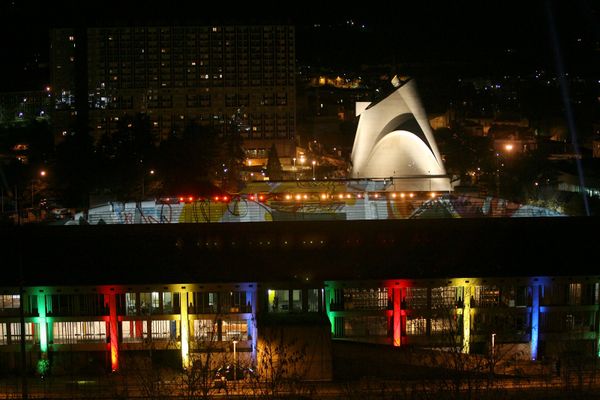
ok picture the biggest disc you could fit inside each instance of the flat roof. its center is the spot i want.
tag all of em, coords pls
(308, 251)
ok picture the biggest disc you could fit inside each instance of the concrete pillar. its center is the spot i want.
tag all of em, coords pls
(397, 317)
(466, 344)
(535, 319)
(253, 298)
(185, 332)
(114, 332)
(328, 303)
(41, 306)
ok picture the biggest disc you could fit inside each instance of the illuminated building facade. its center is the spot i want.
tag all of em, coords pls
(270, 201)
(414, 283)
(207, 74)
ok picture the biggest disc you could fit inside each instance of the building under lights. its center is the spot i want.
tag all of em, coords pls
(108, 291)
(394, 139)
(179, 74)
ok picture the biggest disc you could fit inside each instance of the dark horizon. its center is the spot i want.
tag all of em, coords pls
(471, 38)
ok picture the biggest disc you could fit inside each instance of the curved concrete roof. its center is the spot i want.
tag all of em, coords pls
(382, 149)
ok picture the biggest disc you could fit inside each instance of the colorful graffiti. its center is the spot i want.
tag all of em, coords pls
(315, 200)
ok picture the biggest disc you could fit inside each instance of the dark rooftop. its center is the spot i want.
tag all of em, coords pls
(297, 251)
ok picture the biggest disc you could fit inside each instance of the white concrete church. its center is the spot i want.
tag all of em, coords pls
(394, 140)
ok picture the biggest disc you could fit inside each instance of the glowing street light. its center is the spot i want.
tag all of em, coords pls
(42, 174)
(313, 165)
(294, 166)
(151, 173)
(234, 362)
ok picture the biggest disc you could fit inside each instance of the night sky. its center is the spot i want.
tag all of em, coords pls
(473, 37)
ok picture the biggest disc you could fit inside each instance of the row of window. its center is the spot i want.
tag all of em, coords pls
(284, 301)
(482, 296)
(74, 332)
(505, 325)
(10, 302)
(145, 303)
(207, 81)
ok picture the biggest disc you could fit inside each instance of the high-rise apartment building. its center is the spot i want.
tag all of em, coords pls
(176, 74)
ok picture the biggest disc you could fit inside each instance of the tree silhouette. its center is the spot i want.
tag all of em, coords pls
(189, 161)
(274, 169)
(232, 153)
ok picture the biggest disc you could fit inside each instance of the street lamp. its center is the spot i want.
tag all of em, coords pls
(313, 164)
(294, 166)
(151, 172)
(493, 344)
(234, 363)
(42, 174)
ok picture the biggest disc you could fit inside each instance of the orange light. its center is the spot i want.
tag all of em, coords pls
(288, 197)
(251, 197)
(376, 195)
(348, 196)
(359, 196)
(432, 194)
(190, 198)
(298, 197)
(394, 195)
(412, 195)
(305, 197)
(341, 196)
(225, 198)
(216, 198)
(181, 199)
(261, 198)
(324, 196)
(402, 195)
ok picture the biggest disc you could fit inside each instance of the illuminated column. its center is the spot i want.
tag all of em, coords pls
(114, 332)
(41, 303)
(185, 333)
(535, 319)
(466, 345)
(328, 304)
(397, 318)
(253, 295)
(191, 310)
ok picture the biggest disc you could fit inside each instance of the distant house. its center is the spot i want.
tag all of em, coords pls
(512, 139)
